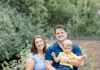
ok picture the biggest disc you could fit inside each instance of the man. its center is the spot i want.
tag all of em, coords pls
(61, 36)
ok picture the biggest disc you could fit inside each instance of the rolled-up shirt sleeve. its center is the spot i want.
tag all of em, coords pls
(48, 54)
(76, 50)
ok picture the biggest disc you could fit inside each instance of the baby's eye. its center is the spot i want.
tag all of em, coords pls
(69, 45)
(65, 48)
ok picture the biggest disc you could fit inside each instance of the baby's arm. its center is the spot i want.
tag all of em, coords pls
(55, 58)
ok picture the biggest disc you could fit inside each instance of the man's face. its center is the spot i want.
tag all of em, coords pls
(61, 35)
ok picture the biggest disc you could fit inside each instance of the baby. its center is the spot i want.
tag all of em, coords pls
(67, 53)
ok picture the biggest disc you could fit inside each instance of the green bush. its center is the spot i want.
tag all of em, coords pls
(81, 17)
(17, 64)
(85, 21)
(16, 31)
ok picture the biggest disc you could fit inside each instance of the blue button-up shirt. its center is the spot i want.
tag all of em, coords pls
(56, 48)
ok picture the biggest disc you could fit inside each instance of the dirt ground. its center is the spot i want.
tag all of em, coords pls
(93, 46)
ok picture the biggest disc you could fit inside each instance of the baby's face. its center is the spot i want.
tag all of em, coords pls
(68, 48)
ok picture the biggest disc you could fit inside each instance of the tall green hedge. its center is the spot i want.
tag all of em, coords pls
(85, 21)
(16, 30)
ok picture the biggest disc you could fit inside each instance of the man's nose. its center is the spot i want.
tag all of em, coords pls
(60, 33)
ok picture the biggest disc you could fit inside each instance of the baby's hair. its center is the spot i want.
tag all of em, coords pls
(68, 41)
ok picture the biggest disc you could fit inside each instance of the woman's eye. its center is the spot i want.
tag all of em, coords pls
(36, 42)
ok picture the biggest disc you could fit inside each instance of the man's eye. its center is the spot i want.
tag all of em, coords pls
(58, 33)
(62, 32)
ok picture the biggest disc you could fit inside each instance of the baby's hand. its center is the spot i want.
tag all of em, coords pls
(53, 54)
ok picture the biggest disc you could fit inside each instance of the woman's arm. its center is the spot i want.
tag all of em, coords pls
(49, 65)
(30, 64)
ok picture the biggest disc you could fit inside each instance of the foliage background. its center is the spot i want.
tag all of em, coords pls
(20, 20)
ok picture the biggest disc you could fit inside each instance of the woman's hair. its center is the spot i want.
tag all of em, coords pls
(34, 49)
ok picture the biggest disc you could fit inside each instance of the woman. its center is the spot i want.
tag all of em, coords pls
(35, 59)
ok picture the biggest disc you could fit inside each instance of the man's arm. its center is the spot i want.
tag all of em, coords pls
(76, 50)
(76, 62)
(49, 65)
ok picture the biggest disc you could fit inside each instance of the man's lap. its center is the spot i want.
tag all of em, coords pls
(64, 68)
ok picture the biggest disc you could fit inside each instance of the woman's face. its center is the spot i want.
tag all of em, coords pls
(39, 43)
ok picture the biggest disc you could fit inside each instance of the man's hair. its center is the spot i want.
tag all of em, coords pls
(60, 26)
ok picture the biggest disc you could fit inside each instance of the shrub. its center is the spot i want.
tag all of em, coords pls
(16, 31)
(17, 64)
